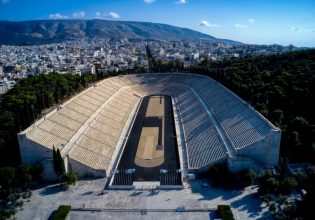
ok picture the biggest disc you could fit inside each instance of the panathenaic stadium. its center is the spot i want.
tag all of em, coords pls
(156, 127)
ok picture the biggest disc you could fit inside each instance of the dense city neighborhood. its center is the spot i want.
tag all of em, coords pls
(92, 55)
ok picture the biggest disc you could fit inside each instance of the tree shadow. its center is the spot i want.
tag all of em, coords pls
(103, 192)
(52, 215)
(53, 189)
(211, 192)
(153, 193)
(42, 185)
(206, 193)
(136, 193)
(252, 205)
(232, 192)
(214, 215)
(86, 193)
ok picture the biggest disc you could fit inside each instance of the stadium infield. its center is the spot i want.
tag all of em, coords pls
(152, 144)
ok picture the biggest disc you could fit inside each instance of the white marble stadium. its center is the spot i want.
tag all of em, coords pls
(212, 125)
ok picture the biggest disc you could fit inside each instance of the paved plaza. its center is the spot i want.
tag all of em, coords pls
(87, 200)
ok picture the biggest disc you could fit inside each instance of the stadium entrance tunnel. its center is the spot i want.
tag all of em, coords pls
(150, 153)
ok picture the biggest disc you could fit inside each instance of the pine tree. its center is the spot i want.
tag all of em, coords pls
(60, 164)
(54, 159)
(83, 80)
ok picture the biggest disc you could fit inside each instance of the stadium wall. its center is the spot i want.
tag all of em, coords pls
(237, 164)
(32, 152)
(265, 151)
(83, 171)
(223, 160)
(259, 155)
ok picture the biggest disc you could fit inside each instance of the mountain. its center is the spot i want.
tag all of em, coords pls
(50, 31)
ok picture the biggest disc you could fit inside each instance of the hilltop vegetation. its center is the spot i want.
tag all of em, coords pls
(281, 87)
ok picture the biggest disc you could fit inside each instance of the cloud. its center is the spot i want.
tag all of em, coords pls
(204, 23)
(113, 15)
(110, 15)
(79, 14)
(5, 1)
(181, 2)
(149, 1)
(251, 21)
(57, 16)
(294, 28)
(240, 26)
(98, 14)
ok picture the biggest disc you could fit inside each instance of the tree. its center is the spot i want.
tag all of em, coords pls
(262, 107)
(278, 116)
(299, 121)
(37, 170)
(266, 198)
(225, 212)
(58, 162)
(272, 184)
(24, 176)
(69, 178)
(57, 92)
(272, 208)
(267, 183)
(7, 176)
(248, 176)
(55, 159)
(14, 184)
(82, 78)
(290, 183)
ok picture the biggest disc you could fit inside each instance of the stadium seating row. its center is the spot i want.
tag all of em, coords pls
(201, 136)
(61, 126)
(101, 138)
(242, 125)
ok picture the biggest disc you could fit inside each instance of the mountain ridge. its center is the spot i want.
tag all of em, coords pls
(53, 31)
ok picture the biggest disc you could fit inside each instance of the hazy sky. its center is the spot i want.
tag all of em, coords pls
(249, 21)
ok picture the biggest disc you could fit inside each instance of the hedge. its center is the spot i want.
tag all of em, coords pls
(225, 212)
(61, 212)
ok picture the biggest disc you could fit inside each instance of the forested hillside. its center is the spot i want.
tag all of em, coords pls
(282, 88)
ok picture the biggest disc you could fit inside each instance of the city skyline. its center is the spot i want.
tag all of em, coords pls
(268, 22)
